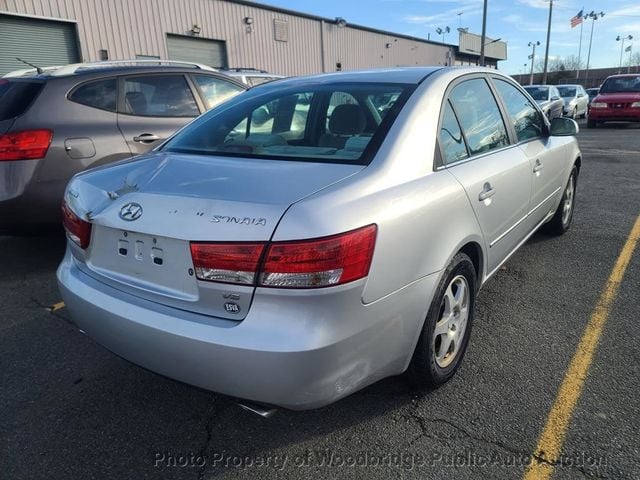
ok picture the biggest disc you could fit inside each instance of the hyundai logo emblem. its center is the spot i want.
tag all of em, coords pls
(131, 211)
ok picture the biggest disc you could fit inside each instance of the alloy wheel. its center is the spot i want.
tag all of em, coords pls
(567, 206)
(450, 328)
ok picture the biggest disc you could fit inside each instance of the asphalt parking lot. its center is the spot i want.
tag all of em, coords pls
(70, 409)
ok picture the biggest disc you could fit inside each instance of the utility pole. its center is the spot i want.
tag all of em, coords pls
(484, 33)
(546, 53)
(593, 16)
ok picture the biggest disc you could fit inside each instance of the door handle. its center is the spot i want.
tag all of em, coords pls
(146, 138)
(487, 192)
(538, 166)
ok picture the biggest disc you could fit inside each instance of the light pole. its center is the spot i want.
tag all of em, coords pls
(630, 47)
(532, 57)
(622, 39)
(484, 32)
(443, 32)
(593, 16)
(546, 52)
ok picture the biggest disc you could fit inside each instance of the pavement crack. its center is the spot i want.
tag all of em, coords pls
(208, 426)
(425, 431)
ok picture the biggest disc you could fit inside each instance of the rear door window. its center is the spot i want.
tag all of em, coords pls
(159, 96)
(451, 139)
(16, 97)
(479, 116)
(216, 90)
(100, 94)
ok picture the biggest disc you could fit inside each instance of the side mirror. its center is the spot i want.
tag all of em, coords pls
(555, 97)
(563, 127)
(580, 95)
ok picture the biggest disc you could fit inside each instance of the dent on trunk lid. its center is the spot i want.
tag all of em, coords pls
(199, 197)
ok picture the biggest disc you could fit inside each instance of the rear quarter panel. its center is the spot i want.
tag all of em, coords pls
(423, 216)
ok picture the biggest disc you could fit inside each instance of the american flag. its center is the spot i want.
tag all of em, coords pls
(577, 20)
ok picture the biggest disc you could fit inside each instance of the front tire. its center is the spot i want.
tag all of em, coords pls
(445, 335)
(561, 220)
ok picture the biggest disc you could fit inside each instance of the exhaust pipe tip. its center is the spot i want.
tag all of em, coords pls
(265, 411)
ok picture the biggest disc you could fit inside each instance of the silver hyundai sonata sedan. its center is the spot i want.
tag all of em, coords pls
(312, 236)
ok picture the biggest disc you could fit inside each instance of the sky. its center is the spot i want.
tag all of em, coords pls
(517, 22)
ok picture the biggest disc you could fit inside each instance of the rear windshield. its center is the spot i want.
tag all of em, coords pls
(16, 96)
(567, 91)
(538, 93)
(341, 123)
(621, 85)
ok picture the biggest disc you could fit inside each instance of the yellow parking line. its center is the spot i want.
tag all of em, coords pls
(552, 437)
(56, 306)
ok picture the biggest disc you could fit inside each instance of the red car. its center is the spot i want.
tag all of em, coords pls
(618, 101)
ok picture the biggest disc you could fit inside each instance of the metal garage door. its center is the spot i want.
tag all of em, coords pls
(41, 42)
(199, 50)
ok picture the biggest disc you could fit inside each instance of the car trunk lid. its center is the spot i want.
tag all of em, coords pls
(146, 212)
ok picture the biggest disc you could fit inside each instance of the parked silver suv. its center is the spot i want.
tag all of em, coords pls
(57, 122)
(252, 76)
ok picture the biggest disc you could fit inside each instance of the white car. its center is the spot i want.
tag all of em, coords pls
(576, 100)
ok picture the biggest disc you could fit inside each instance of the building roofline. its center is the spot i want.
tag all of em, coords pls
(310, 16)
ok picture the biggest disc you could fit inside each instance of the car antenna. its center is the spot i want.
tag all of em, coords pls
(38, 69)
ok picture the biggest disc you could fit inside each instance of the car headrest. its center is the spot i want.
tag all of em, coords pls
(347, 119)
(137, 102)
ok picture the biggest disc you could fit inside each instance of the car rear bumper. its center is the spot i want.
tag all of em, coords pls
(297, 350)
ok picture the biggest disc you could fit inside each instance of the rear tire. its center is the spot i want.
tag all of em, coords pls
(591, 123)
(561, 220)
(445, 335)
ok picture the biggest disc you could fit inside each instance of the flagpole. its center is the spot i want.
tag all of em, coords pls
(580, 46)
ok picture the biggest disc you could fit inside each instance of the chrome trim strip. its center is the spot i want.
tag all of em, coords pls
(543, 201)
(509, 230)
(504, 234)
(524, 240)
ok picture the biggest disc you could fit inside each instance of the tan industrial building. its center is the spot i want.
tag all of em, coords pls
(219, 33)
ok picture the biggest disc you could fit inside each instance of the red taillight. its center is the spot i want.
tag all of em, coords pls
(227, 262)
(26, 145)
(78, 230)
(320, 262)
(315, 263)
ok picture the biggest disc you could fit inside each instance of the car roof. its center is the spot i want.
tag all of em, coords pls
(406, 75)
(623, 75)
(110, 67)
(538, 86)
